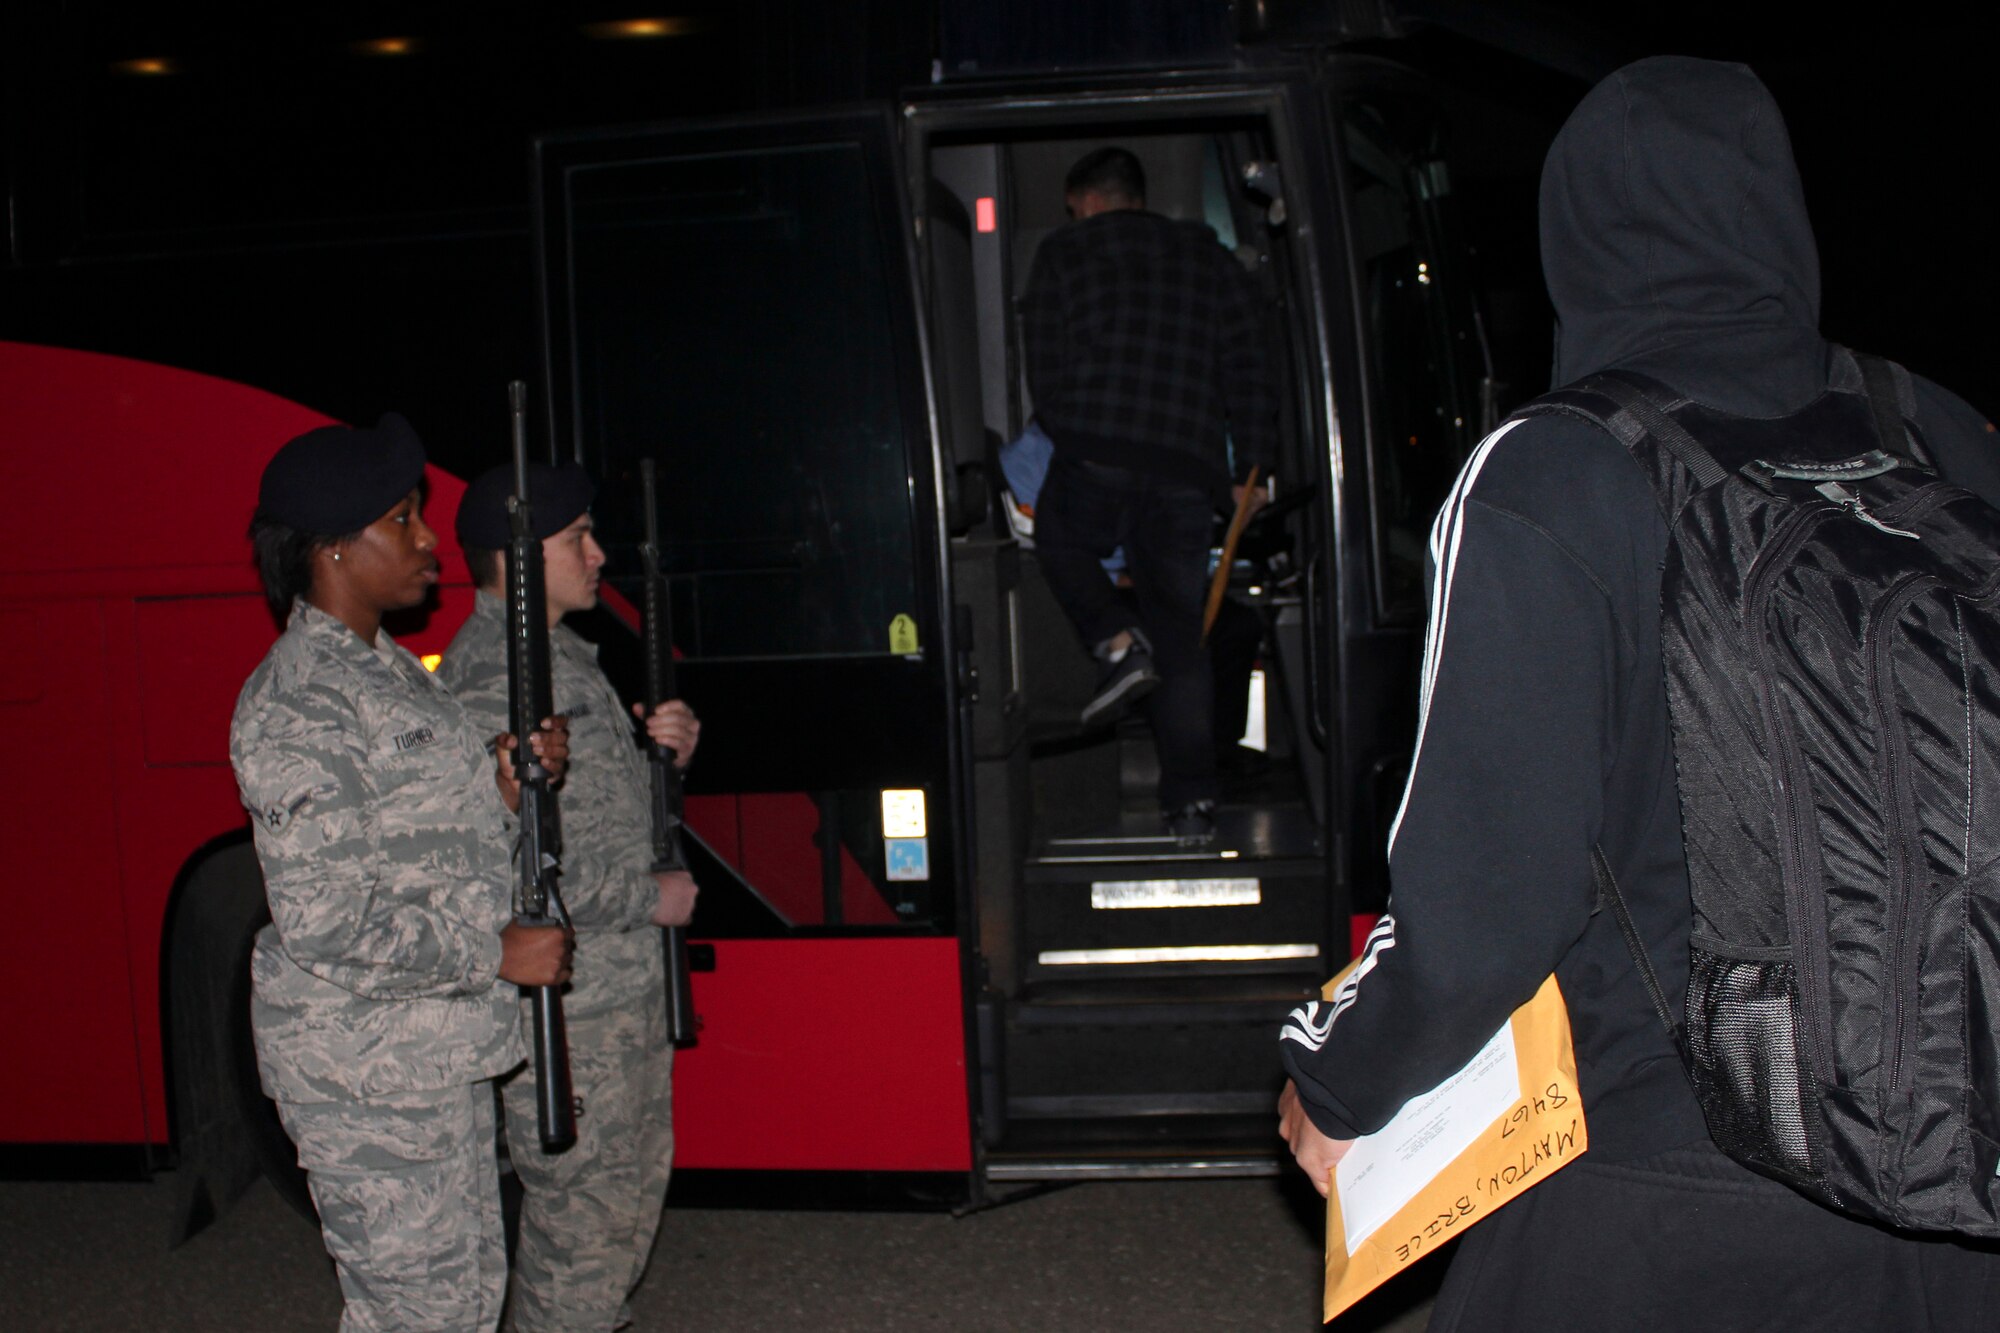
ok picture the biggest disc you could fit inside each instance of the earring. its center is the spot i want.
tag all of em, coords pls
(336, 555)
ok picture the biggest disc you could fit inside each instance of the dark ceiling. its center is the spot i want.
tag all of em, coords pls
(300, 126)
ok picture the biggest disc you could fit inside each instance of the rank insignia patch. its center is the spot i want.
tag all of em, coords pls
(277, 817)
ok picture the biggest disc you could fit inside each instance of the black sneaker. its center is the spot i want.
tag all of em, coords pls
(1122, 684)
(1193, 824)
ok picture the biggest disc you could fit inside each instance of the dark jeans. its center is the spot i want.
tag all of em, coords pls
(1085, 511)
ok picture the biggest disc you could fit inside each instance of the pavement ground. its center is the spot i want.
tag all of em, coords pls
(1166, 1256)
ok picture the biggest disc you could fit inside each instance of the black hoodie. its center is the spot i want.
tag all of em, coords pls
(1675, 241)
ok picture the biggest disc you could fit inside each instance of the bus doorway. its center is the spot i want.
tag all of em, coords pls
(1130, 982)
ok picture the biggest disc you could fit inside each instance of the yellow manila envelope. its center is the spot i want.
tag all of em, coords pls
(1503, 1124)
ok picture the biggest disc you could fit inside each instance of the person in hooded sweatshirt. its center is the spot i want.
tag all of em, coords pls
(1145, 355)
(1675, 243)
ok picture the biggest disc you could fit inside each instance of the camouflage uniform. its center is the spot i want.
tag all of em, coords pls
(590, 1214)
(374, 1001)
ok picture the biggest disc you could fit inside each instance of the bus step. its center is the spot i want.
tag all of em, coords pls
(1148, 918)
(1215, 1166)
(1120, 1062)
(1127, 1001)
(1242, 833)
(1176, 964)
(1127, 1105)
(1104, 1147)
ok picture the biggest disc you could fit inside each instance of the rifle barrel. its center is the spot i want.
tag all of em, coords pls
(530, 699)
(667, 855)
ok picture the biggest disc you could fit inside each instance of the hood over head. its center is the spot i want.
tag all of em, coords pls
(1675, 239)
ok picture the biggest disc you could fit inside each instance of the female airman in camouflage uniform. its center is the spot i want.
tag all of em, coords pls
(377, 1004)
(589, 1215)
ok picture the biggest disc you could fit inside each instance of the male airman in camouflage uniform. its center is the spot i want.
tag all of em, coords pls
(376, 1004)
(590, 1214)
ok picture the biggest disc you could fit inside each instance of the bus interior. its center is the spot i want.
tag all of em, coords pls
(1128, 985)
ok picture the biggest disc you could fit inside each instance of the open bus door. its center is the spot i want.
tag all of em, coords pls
(946, 930)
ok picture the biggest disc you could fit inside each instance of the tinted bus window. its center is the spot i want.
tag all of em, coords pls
(733, 321)
(1421, 423)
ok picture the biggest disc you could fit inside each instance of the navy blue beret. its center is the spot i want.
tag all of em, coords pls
(556, 495)
(338, 479)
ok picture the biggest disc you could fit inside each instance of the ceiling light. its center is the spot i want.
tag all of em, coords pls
(387, 46)
(634, 29)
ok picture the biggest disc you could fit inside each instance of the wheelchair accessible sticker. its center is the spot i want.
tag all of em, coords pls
(909, 858)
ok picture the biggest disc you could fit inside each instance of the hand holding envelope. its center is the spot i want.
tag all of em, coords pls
(1504, 1123)
(1315, 1153)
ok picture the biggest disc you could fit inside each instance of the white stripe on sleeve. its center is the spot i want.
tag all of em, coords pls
(1446, 534)
(1312, 1023)
(1307, 1025)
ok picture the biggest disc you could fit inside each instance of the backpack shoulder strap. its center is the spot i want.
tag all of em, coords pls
(1647, 402)
(1608, 892)
(1892, 400)
(1636, 411)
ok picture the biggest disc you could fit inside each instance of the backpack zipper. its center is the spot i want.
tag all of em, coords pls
(1851, 503)
(1917, 505)
(1902, 979)
(1901, 840)
(1796, 811)
(1807, 928)
(1896, 849)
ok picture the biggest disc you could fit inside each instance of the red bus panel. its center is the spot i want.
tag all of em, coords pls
(826, 1054)
(131, 615)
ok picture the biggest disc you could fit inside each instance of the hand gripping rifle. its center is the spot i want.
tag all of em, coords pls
(659, 636)
(530, 698)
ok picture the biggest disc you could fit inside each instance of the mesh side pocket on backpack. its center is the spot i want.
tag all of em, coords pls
(1743, 1034)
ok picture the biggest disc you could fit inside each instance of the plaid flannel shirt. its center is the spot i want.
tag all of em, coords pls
(1145, 349)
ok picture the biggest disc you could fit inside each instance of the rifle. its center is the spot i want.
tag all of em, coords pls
(530, 698)
(659, 636)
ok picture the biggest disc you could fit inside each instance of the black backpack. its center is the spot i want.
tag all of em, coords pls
(1830, 625)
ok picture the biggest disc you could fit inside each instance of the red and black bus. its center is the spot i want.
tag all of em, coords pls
(942, 943)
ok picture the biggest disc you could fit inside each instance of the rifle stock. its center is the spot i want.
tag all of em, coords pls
(1218, 586)
(530, 698)
(659, 642)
